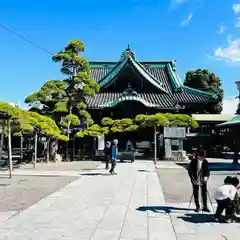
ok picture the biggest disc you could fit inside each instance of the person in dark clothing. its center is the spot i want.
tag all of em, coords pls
(235, 182)
(199, 174)
(114, 155)
(108, 152)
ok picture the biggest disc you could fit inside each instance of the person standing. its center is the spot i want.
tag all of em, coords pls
(114, 156)
(199, 174)
(108, 153)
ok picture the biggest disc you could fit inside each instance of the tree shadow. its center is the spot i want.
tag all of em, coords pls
(198, 218)
(4, 184)
(142, 170)
(162, 209)
(95, 174)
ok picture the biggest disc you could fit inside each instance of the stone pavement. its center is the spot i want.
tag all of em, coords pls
(98, 206)
(36, 172)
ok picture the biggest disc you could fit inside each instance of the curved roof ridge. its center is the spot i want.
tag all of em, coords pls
(127, 98)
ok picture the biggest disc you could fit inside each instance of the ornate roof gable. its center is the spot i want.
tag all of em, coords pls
(128, 57)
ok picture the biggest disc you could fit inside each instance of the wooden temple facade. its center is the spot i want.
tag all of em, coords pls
(129, 87)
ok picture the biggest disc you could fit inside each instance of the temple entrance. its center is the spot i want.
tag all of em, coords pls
(141, 139)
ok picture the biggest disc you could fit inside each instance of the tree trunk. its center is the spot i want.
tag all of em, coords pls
(21, 149)
(9, 148)
(68, 134)
(35, 149)
(1, 142)
(47, 150)
(73, 153)
(155, 144)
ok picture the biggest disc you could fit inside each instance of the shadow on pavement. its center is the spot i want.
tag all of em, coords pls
(95, 174)
(161, 209)
(4, 184)
(198, 218)
(217, 166)
(141, 170)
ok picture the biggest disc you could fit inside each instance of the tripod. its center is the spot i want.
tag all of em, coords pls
(209, 197)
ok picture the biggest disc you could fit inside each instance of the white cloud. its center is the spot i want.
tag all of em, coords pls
(231, 52)
(238, 22)
(230, 105)
(187, 20)
(175, 3)
(221, 29)
(236, 8)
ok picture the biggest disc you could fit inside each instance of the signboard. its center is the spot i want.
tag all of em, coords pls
(168, 148)
(174, 132)
(101, 142)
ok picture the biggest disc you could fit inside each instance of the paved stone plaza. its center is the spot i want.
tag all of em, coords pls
(128, 206)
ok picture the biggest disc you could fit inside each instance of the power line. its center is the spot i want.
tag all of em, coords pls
(25, 39)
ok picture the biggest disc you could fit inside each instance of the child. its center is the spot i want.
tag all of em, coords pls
(225, 196)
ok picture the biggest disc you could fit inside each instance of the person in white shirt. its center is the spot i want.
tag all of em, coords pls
(225, 196)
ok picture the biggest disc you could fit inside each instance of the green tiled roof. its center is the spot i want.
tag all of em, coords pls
(111, 75)
(232, 122)
(162, 100)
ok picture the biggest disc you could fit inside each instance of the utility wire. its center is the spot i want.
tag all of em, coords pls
(25, 39)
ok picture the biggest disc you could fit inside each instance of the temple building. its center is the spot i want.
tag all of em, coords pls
(129, 87)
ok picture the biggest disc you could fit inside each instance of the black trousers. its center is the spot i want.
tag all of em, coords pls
(226, 204)
(107, 159)
(113, 166)
(203, 192)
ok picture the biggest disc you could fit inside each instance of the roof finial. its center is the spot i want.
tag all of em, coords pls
(128, 53)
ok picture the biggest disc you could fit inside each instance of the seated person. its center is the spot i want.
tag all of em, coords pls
(225, 196)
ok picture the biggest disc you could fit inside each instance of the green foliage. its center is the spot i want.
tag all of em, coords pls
(238, 109)
(73, 119)
(151, 120)
(180, 120)
(126, 121)
(23, 122)
(207, 81)
(93, 131)
(90, 122)
(80, 134)
(144, 121)
(46, 126)
(106, 121)
(131, 128)
(67, 97)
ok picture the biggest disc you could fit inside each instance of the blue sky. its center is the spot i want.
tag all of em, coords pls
(196, 33)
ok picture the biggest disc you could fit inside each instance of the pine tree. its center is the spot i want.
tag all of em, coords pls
(238, 109)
